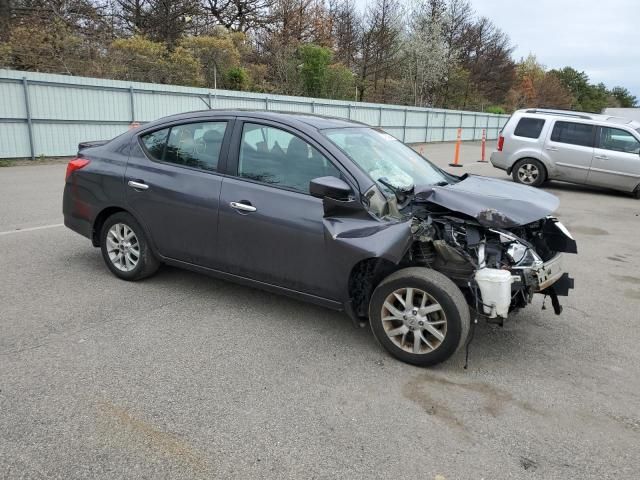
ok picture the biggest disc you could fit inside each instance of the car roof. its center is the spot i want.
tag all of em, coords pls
(585, 116)
(319, 122)
(598, 117)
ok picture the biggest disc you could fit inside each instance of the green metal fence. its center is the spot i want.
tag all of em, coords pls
(45, 114)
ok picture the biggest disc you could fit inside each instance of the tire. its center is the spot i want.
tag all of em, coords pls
(141, 262)
(398, 336)
(529, 171)
(636, 193)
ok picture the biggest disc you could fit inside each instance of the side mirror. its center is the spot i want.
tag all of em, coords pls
(331, 187)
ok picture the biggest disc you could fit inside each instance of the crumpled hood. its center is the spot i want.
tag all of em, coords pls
(493, 202)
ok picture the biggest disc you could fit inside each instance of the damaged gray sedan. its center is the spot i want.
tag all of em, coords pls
(325, 210)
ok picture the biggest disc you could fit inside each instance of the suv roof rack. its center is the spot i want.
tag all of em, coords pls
(566, 113)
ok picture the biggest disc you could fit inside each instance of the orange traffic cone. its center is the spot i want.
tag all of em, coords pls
(484, 146)
(456, 156)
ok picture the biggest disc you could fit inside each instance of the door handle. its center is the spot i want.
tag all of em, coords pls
(137, 185)
(552, 149)
(242, 206)
(601, 157)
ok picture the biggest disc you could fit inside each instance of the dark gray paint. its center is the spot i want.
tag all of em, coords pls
(293, 243)
(493, 202)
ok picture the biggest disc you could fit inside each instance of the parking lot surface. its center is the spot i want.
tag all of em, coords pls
(184, 376)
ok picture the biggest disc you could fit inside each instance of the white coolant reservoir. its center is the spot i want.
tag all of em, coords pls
(495, 288)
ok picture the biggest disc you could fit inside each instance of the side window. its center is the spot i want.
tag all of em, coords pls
(274, 156)
(154, 143)
(618, 140)
(191, 144)
(573, 133)
(529, 127)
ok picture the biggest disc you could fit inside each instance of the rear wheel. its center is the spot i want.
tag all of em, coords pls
(419, 315)
(636, 193)
(125, 249)
(529, 171)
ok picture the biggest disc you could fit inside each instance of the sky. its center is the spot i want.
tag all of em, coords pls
(599, 37)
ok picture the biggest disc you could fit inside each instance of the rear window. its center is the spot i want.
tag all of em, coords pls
(529, 127)
(573, 133)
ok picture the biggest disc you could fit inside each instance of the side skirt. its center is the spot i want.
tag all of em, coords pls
(306, 297)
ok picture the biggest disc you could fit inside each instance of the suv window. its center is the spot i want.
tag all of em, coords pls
(191, 144)
(529, 127)
(274, 156)
(618, 140)
(573, 133)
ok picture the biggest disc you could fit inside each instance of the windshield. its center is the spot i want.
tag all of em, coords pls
(382, 156)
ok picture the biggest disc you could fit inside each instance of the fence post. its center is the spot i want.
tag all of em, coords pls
(210, 104)
(313, 107)
(404, 125)
(380, 117)
(444, 124)
(475, 123)
(266, 103)
(349, 112)
(27, 107)
(426, 128)
(131, 102)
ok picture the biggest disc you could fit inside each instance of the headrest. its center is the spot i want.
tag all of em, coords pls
(211, 136)
(297, 149)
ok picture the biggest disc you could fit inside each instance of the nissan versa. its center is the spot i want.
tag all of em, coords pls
(322, 209)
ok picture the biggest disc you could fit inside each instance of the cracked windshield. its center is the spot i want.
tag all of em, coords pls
(385, 158)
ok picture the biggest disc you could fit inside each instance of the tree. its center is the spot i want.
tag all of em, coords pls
(426, 52)
(381, 47)
(5, 19)
(216, 54)
(240, 15)
(314, 69)
(236, 78)
(346, 31)
(143, 60)
(624, 97)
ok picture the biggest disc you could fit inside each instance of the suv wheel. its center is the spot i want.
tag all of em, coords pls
(419, 315)
(125, 249)
(529, 171)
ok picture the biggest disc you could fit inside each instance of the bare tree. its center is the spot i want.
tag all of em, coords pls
(240, 15)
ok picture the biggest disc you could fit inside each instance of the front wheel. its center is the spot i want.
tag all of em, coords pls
(529, 171)
(125, 249)
(419, 315)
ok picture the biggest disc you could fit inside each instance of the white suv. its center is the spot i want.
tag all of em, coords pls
(536, 145)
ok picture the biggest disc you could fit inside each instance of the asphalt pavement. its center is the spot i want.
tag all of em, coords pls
(184, 376)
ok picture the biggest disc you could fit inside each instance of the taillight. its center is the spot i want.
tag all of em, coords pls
(500, 143)
(75, 164)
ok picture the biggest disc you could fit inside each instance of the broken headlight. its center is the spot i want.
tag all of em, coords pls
(522, 256)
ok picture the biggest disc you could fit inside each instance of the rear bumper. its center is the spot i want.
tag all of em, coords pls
(498, 160)
(79, 225)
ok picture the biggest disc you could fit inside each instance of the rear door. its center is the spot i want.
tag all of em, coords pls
(173, 186)
(271, 228)
(616, 160)
(570, 147)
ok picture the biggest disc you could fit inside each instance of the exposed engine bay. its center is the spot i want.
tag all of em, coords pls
(495, 240)
(499, 270)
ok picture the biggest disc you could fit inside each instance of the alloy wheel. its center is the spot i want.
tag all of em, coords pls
(528, 173)
(123, 247)
(414, 321)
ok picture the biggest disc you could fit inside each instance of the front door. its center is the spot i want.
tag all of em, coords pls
(271, 229)
(616, 160)
(570, 147)
(173, 187)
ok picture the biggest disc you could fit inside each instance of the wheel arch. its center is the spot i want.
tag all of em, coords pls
(530, 157)
(107, 212)
(364, 277)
